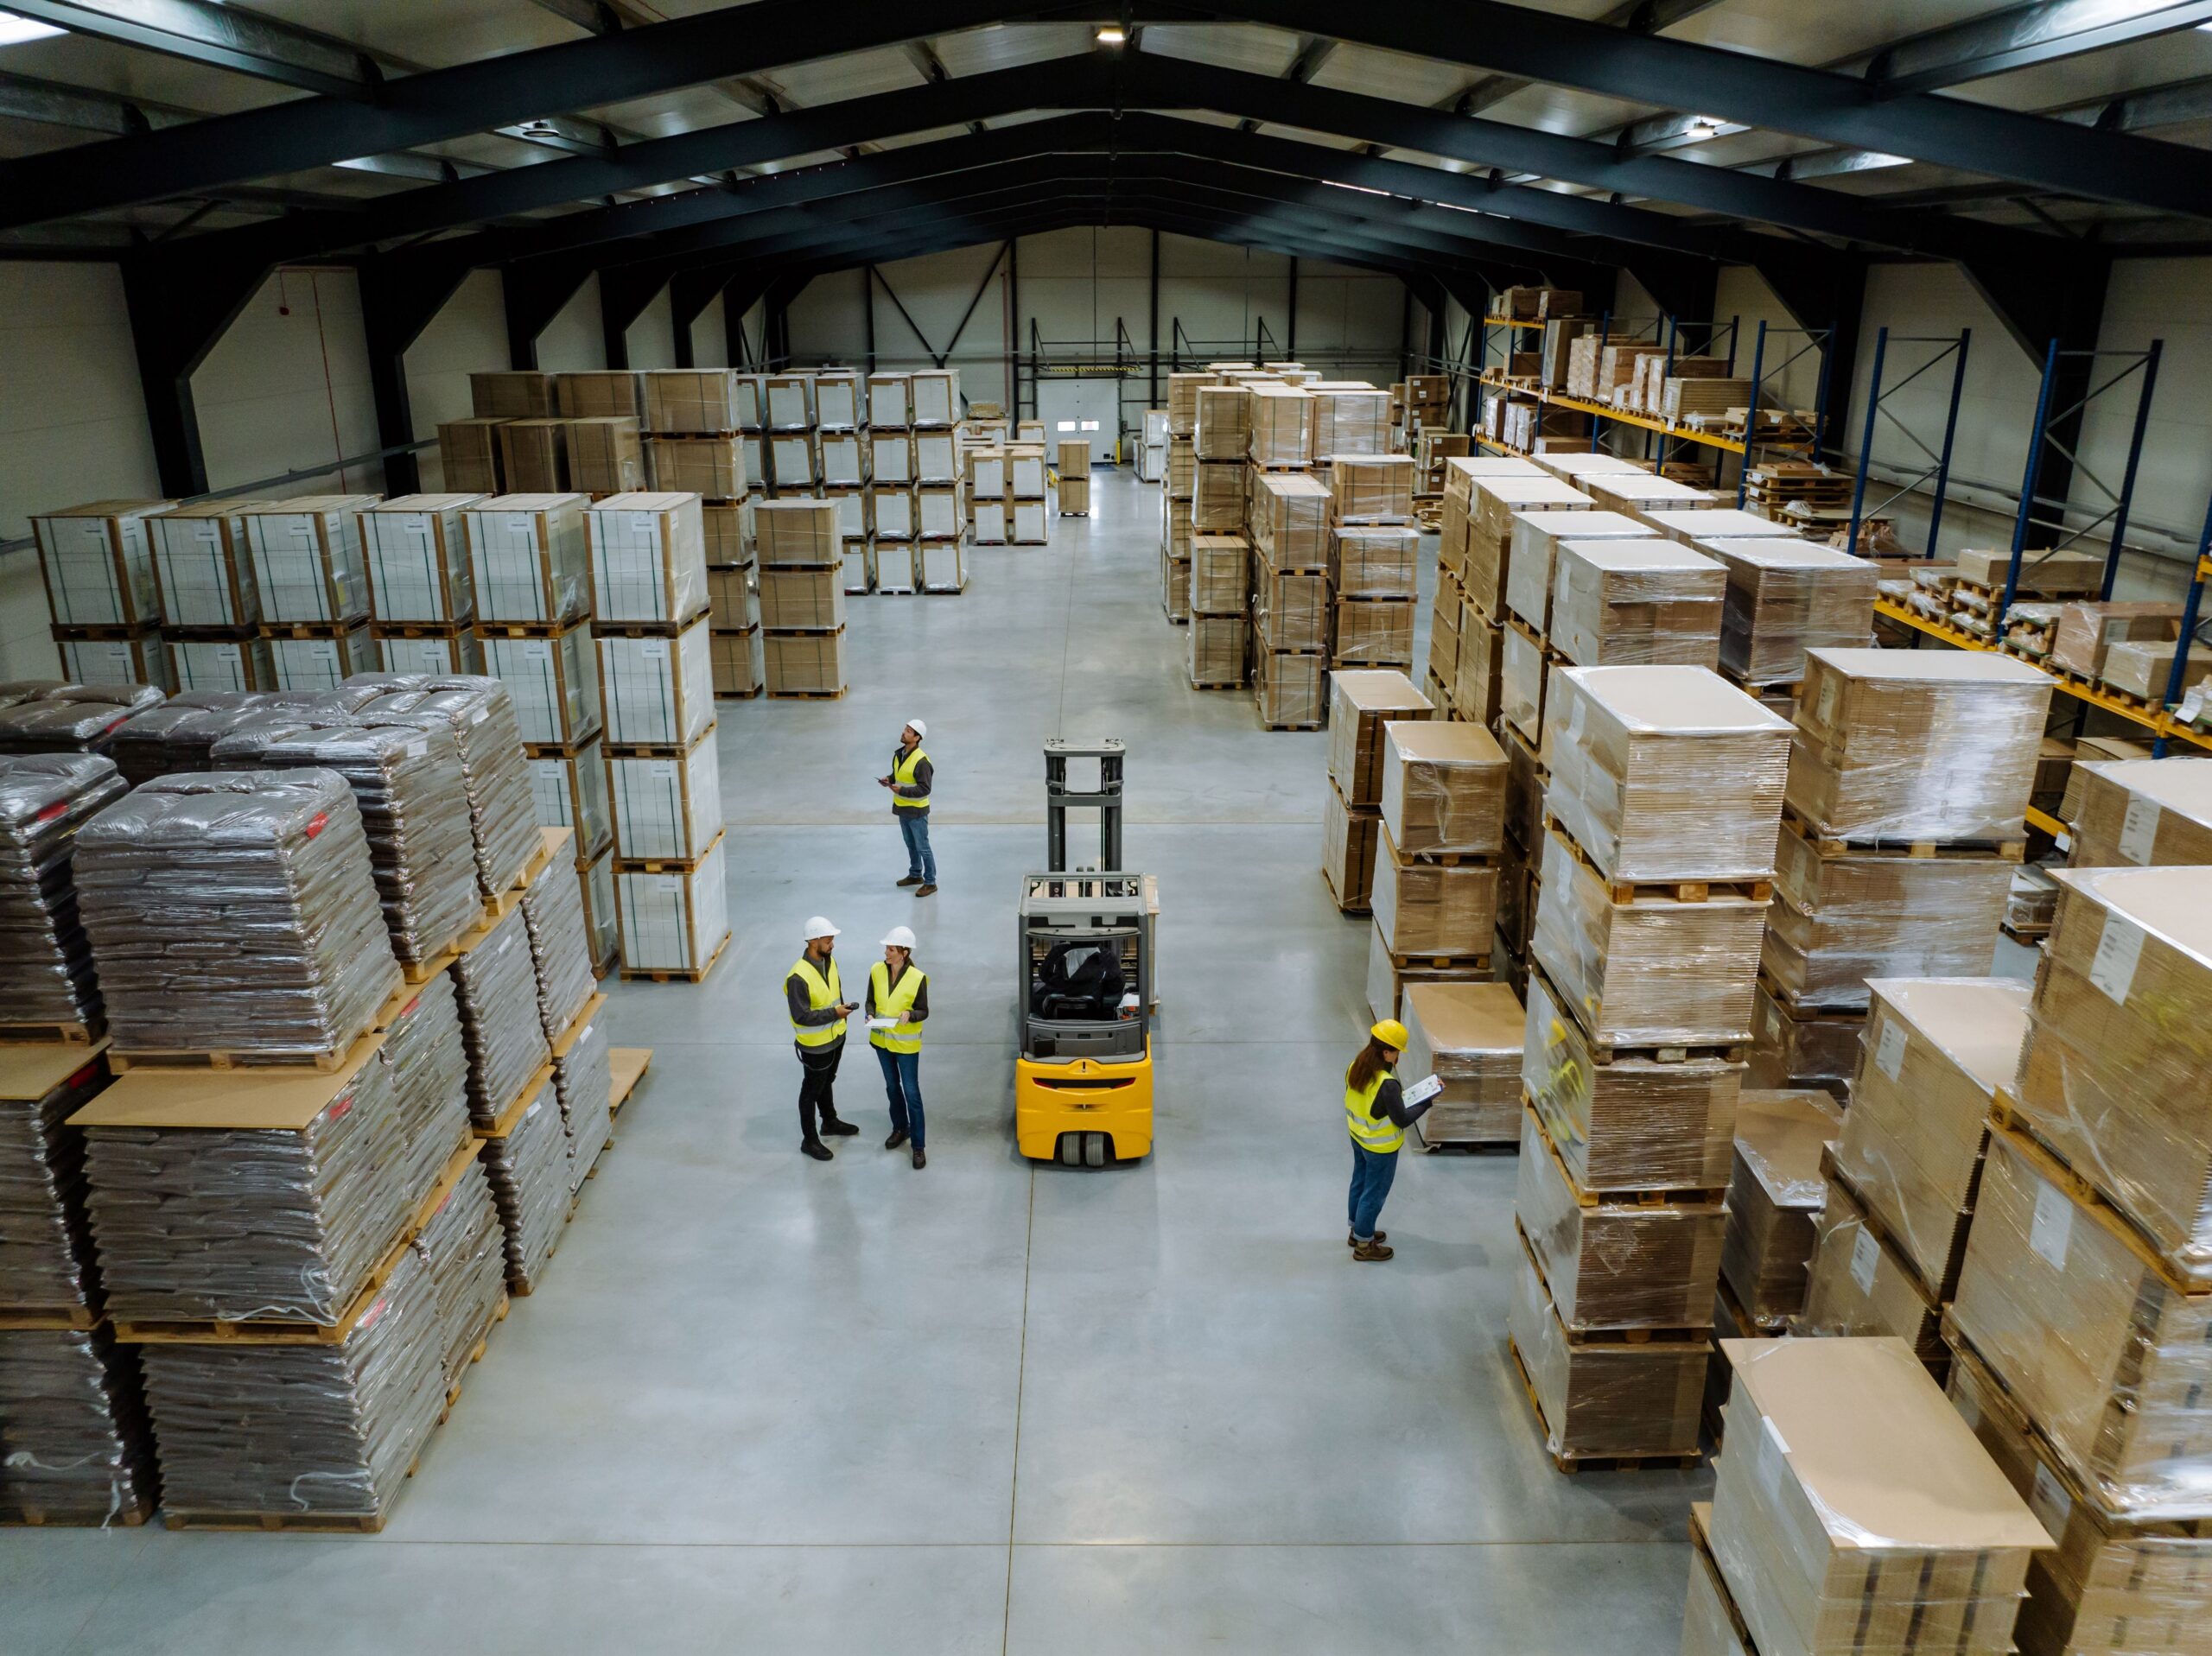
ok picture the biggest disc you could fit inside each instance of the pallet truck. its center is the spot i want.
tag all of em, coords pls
(1083, 1077)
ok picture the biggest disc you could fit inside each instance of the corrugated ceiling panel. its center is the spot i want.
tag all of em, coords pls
(1260, 51)
(1007, 46)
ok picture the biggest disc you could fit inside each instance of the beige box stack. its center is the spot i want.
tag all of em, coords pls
(1469, 1036)
(2139, 813)
(1179, 482)
(1220, 624)
(733, 610)
(1469, 680)
(313, 583)
(1435, 885)
(694, 418)
(1660, 818)
(802, 595)
(1360, 703)
(1372, 555)
(1291, 612)
(1785, 597)
(1775, 1193)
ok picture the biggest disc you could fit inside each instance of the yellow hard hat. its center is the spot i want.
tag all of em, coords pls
(1391, 1033)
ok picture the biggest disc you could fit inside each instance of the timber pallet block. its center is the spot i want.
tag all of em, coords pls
(649, 629)
(805, 695)
(1470, 1146)
(1571, 1463)
(30, 1517)
(528, 629)
(304, 1523)
(738, 695)
(50, 1034)
(677, 974)
(1626, 892)
(1304, 724)
(75, 1319)
(1218, 684)
(476, 1355)
(1438, 962)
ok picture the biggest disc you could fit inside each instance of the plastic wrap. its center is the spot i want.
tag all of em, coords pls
(56, 716)
(427, 1066)
(1711, 1623)
(1359, 704)
(480, 716)
(1665, 773)
(46, 1249)
(1290, 689)
(1469, 1036)
(553, 913)
(1292, 610)
(206, 572)
(667, 808)
(417, 548)
(1373, 560)
(302, 1430)
(1917, 745)
(1433, 909)
(1221, 428)
(528, 1171)
(1852, 1511)
(1217, 644)
(553, 683)
(307, 557)
(1476, 691)
(1776, 1192)
(1609, 1398)
(583, 1081)
(1525, 671)
(676, 922)
(529, 559)
(1350, 836)
(499, 1019)
(1374, 632)
(1786, 597)
(1175, 585)
(1283, 426)
(465, 1249)
(2110, 1584)
(2142, 670)
(1611, 1265)
(179, 734)
(1219, 577)
(692, 399)
(1841, 918)
(1632, 1123)
(1809, 1049)
(649, 557)
(74, 1447)
(236, 911)
(1656, 971)
(1443, 789)
(1217, 497)
(1290, 519)
(2117, 1073)
(1634, 603)
(413, 810)
(1858, 1285)
(1533, 548)
(2141, 812)
(1371, 486)
(46, 960)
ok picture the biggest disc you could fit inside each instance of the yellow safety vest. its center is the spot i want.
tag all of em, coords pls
(902, 772)
(820, 991)
(1382, 1137)
(896, 1001)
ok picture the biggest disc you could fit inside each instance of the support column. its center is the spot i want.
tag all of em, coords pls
(178, 310)
(400, 294)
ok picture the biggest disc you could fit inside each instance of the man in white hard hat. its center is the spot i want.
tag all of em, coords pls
(898, 1004)
(818, 1010)
(912, 774)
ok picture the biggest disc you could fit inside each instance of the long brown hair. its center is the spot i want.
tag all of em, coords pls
(1365, 1068)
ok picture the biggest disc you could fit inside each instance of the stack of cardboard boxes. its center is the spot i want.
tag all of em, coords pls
(1775, 1193)
(1787, 596)
(802, 596)
(1074, 477)
(1372, 543)
(314, 587)
(422, 603)
(1220, 590)
(1290, 605)
(1360, 704)
(1435, 888)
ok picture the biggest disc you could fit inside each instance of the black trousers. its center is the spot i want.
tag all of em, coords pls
(817, 1082)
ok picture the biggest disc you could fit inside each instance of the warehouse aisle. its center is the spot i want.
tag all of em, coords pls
(762, 1404)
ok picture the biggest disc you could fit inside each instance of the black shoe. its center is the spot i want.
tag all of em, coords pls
(920, 1160)
(911, 880)
(895, 1140)
(929, 890)
(817, 1149)
(837, 1129)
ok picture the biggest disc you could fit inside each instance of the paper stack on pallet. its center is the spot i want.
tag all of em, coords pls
(1351, 817)
(1434, 892)
(2137, 813)
(1468, 1036)
(1290, 613)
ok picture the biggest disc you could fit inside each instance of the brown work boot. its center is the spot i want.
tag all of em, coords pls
(1351, 1240)
(920, 1160)
(1367, 1252)
(911, 880)
(925, 891)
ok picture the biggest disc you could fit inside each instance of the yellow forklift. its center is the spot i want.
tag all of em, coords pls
(1083, 1077)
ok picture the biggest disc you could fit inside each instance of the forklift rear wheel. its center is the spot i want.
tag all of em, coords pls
(1071, 1149)
(1094, 1150)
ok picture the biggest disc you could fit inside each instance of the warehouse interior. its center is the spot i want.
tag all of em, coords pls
(1642, 558)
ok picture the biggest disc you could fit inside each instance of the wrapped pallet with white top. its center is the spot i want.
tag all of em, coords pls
(308, 560)
(675, 925)
(648, 559)
(529, 558)
(417, 548)
(99, 563)
(659, 692)
(204, 565)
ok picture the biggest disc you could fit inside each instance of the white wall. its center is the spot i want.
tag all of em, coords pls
(1741, 293)
(469, 335)
(709, 338)
(287, 387)
(2169, 299)
(650, 341)
(574, 340)
(72, 427)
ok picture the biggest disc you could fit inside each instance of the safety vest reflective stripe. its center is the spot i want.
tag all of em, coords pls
(820, 991)
(896, 1001)
(902, 772)
(1382, 1137)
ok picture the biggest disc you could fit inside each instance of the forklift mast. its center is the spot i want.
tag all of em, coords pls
(1060, 798)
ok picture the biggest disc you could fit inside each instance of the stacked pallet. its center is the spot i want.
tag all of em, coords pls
(1360, 704)
(1468, 1036)
(1350, 418)
(732, 605)
(422, 594)
(1072, 488)
(1910, 775)
(1659, 831)
(1180, 481)
(2139, 813)
(1372, 547)
(211, 609)
(1435, 882)
(1568, 601)
(1468, 677)
(313, 580)
(1786, 596)
(1289, 518)
(1220, 592)
(801, 594)
(1777, 1191)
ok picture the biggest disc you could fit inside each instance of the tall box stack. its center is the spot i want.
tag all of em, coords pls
(894, 523)
(1493, 502)
(2139, 813)
(1472, 676)
(1359, 705)
(732, 611)
(422, 595)
(1910, 776)
(1468, 1036)
(1553, 618)
(210, 607)
(1350, 420)
(1853, 1511)
(1221, 441)
(693, 445)
(469, 458)
(1073, 465)
(521, 394)
(1290, 613)
(1220, 590)
(314, 587)
(1434, 889)
(1785, 597)
(1028, 513)
(802, 596)
(1179, 482)
(1658, 847)
(1372, 547)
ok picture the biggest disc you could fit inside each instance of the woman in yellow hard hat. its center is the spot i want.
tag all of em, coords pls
(1377, 1116)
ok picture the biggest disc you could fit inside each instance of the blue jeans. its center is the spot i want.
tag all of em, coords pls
(1371, 1173)
(914, 827)
(902, 1081)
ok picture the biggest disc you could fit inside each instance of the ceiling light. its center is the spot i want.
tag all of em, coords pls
(1702, 127)
(1112, 34)
(14, 31)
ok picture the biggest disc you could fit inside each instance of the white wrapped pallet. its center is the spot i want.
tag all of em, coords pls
(569, 790)
(945, 566)
(667, 809)
(322, 663)
(307, 557)
(675, 922)
(222, 665)
(529, 559)
(891, 456)
(99, 563)
(203, 563)
(554, 683)
(443, 652)
(659, 692)
(143, 659)
(417, 547)
(648, 558)
(602, 924)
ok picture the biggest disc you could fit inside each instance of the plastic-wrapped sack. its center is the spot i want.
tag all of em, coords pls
(46, 960)
(480, 716)
(74, 1447)
(179, 734)
(465, 1251)
(46, 1248)
(553, 913)
(1775, 1195)
(414, 810)
(529, 1168)
(236, 911)
(499, 1020)
(427, 1062)
(583, 1078)
(54, 715)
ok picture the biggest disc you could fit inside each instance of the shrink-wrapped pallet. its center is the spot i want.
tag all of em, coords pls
(606, 453)
(308, 562)
(417, 550)
(1860, 1284)
(465, 1249)
(1640, 495)
(1798, 1047)
(1776, 1191)
(571, 792)
(1283, 426)
(500, 1026)
(1853, 1510)
(519, 394)
(73, 1419)
(1443, 790)
(1917, 744)
(1289, 688)
(2083, 632)
(469, 456)
(2140, 812)
(1373, 560)
(45, 1251)
(553, 682)
(648, 558)
(529, 1169)
(692, 400)
(560, 952)
(1360, 703)
(601, 394)
(1636, 603)
(667, 808)
(1291, 612)
(1374, 633)
(659, 692)
(1786, 597)
(1217, 498)
(529, 557)
(203, 564)
(1611, 1398)
(56, 716)
(1350, 421)
(478, 715)
(1469, 1036)
(2143, 671)
(714, 468)
(1665, 773)
(1217, 644)
(1220, 578)
(143, 659)
(1493, 504)
(98, 563)
(1348, 837)
(1478, 677)
(427, 1062)
(236, 911)
(675, 922)
(179, 734)
(1532, 555)
(1372, 487)
(1614, 1264)
(1223, 429)
(1432, 908)
(583, 1082)
(46, 960)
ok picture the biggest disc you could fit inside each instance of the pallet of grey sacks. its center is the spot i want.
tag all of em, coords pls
(47, 1267)
(73, 1419)
(47, 987)
(58, 716)
(583, 1081)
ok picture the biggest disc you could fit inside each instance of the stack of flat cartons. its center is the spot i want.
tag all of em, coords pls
(1436, 447)
(1180, 485)
(1786, 597)
(1220, 588)
(1853, 1512)
(693, 417)
(1281, 427)
(421, 598)
(210, 607)
(983, 481)
(1910, 775)
(846, 450)
(1530, 645)
(2141, 813)
(733, 610)
(519, 394)
(1290, 613)
(1221, 440)
(1660, 823)
(1434, 892)
(1074, 469)
(1469, 1036)
(469, 456)
(802, 596)
(1903, 1173)
(1360, 703)
(1493, 502)
(1473, 678)
(1350, 420)
(1775, 1193)
(1974, 588)
(1645, 495)
(314, 587)
(1372, 547)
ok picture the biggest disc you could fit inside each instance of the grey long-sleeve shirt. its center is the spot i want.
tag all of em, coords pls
(1390, 1102)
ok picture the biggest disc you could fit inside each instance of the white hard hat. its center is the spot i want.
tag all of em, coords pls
(898, 938)
(819, 927)
(917, 727)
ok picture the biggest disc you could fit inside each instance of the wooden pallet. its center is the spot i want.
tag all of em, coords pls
(50, 1034)
(805, 695)
(20, 1516)
(1570, 1463)
(629, 1064)
(1627, 891)
(300, 1523)
(1307, 724)
(677, 974)
(1886, 1233)
(528, 629)
(1799, 1011)
(79, 1319)
(668, 864)
(1438, 962)
(476, 1355)
(1828, 845)
(1470, 1146)
(311, 628)
(324, 1062)
(601, 629)
(738, 695)
(1361, 907)
(568, 750)
(2026, 936)
(1219, 684)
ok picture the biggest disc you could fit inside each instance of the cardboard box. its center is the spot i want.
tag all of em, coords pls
(1776, 1191)
(1860, 1284)
(1443, 789)
(810, 662)
(553, 683)
(648, 558)
(712, 467)
(1374, 560)
(416, 547)
(667, 808)
(1223, 430)
(202, 566)
(534, 455)
(736, 662)
(1283, 426)
(322, 663)
(802, 599)
(891, 456)
(2138, 812)
(1029, 524)
(840, 401)
(2143, 670)
(657, 692)
(222, 665)
(571, 792)
(1639, 497)
(599, 394)
(1666, 773)
(730, 604)
(1612, 1398)
(529, 557)
(1460, 472)
(1349, 422)
(1290, 689)
(1532, 553)
(1291, 612)
(2083, 631)
(605, 455)
(1794, 1047)
(802, 533)
(937, 513)
(936, 396)
(1468, 1036)
(1372, 488)
(1492, 506)
(442, 653)
(307, 557)
(890, 400)
(1219, 578)
(1183, 402)
(1217, 504)
(1636, 602)
(1217, 645)
(469, 456)
(945, 566)
(2043, 575)
(521, 394)
(674, 922)
(935, 458)
(1477, 691)
(892, 510)
(1786, 597)
(1373, 632)
(794, 464)
(1523, 675)
(1348, 837)
(1360, 704)
(1434, 910)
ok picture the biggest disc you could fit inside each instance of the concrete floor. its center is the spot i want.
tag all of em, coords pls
(767, 1404)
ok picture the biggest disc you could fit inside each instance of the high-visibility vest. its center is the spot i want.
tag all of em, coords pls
(820, 991)
(902, 772)
(896, 1001)
(1382, 1137)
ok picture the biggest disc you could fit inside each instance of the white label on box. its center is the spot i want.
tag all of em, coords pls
(664, 771)
(2115, 631)
(1889, 1051)
(2138, 830)
(1866, 1255)
(2118, 951)
(2050, 1502)
(653, 648)
(2053, 1226)
(537, 651)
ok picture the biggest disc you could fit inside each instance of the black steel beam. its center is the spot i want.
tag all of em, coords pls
(399, 297)
(624, 292)
(219, 36)
(690, 293)
(1998, 42)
